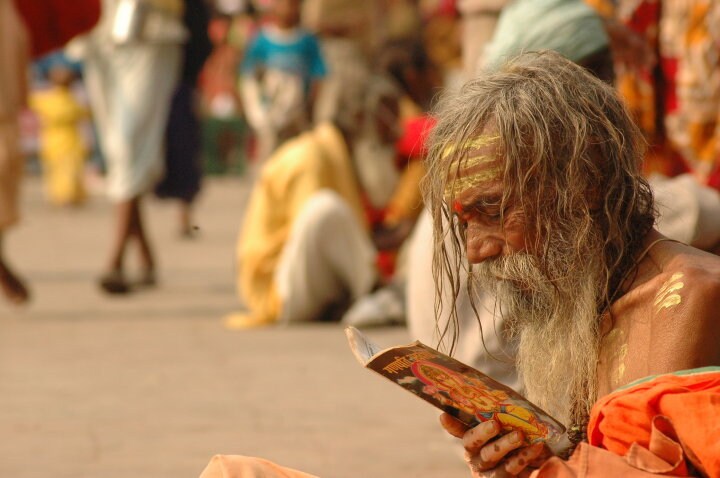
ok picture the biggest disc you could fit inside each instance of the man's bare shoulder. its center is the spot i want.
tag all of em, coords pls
(684, 312)
(669, 268)
(699, 270)
(669, 320)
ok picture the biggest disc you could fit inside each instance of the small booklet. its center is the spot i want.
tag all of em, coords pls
(455, 388)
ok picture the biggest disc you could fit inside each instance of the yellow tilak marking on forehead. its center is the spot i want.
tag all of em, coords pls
(478, 142)
(457, 186)
(668, 295)
(461, 185)
(477, 160)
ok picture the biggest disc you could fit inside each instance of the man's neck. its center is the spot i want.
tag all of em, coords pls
(646, 266)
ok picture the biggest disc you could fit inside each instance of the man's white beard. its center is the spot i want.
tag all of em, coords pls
(556, 327)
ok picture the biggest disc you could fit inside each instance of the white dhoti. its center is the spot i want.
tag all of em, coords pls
(130, 88)
(327, 257)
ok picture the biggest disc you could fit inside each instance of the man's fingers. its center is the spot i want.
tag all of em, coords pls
(491, 454)
(476, 437)
(452, 425)
(517, 462)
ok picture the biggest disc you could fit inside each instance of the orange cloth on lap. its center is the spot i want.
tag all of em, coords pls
(236, 466)
(691, 403)
(665, 425)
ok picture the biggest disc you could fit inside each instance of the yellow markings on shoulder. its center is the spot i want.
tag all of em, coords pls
(669, 294)
(616, 340)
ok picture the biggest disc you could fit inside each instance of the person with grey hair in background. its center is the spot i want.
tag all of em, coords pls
(306, 249)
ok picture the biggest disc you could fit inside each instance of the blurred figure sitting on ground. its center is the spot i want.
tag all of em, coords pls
(280, 76)
(63, 151)
(408, 64)
(309, 244)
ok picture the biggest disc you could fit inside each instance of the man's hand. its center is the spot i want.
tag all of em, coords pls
(493, 456)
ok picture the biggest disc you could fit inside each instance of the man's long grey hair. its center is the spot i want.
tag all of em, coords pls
(570, 162)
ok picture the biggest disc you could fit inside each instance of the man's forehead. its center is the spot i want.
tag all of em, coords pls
(477, 163)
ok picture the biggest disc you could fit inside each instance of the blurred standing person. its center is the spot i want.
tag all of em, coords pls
(14, 53)
(280, 77)
(183, 169)
(132, 63)
(223, 126)
(25, 28)
(63, 151)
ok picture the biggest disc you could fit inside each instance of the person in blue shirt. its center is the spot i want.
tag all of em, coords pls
(280, 77)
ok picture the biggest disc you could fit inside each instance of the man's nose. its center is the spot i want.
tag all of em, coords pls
(480, 247)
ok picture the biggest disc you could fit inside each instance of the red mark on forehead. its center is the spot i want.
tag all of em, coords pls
(457, 207)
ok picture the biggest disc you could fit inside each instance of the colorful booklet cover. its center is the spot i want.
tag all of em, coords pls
(455, 388)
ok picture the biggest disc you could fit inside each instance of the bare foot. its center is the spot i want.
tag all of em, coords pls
(12, 286)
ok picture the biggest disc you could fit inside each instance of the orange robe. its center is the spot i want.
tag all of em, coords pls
(666, 425)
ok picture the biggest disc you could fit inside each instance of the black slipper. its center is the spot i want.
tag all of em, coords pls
(114, 283)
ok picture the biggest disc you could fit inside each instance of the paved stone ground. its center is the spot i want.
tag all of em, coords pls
(152, 385)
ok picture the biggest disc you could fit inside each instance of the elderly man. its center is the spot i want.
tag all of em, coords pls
(534, 170)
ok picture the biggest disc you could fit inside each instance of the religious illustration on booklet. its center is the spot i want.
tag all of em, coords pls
(458, 389)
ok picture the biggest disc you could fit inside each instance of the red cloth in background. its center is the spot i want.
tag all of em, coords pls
(412, 144)
(53, 23)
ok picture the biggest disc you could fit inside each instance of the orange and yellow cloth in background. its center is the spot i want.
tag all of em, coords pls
(677, 102)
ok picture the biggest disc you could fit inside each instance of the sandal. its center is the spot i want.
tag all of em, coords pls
(114, 283)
